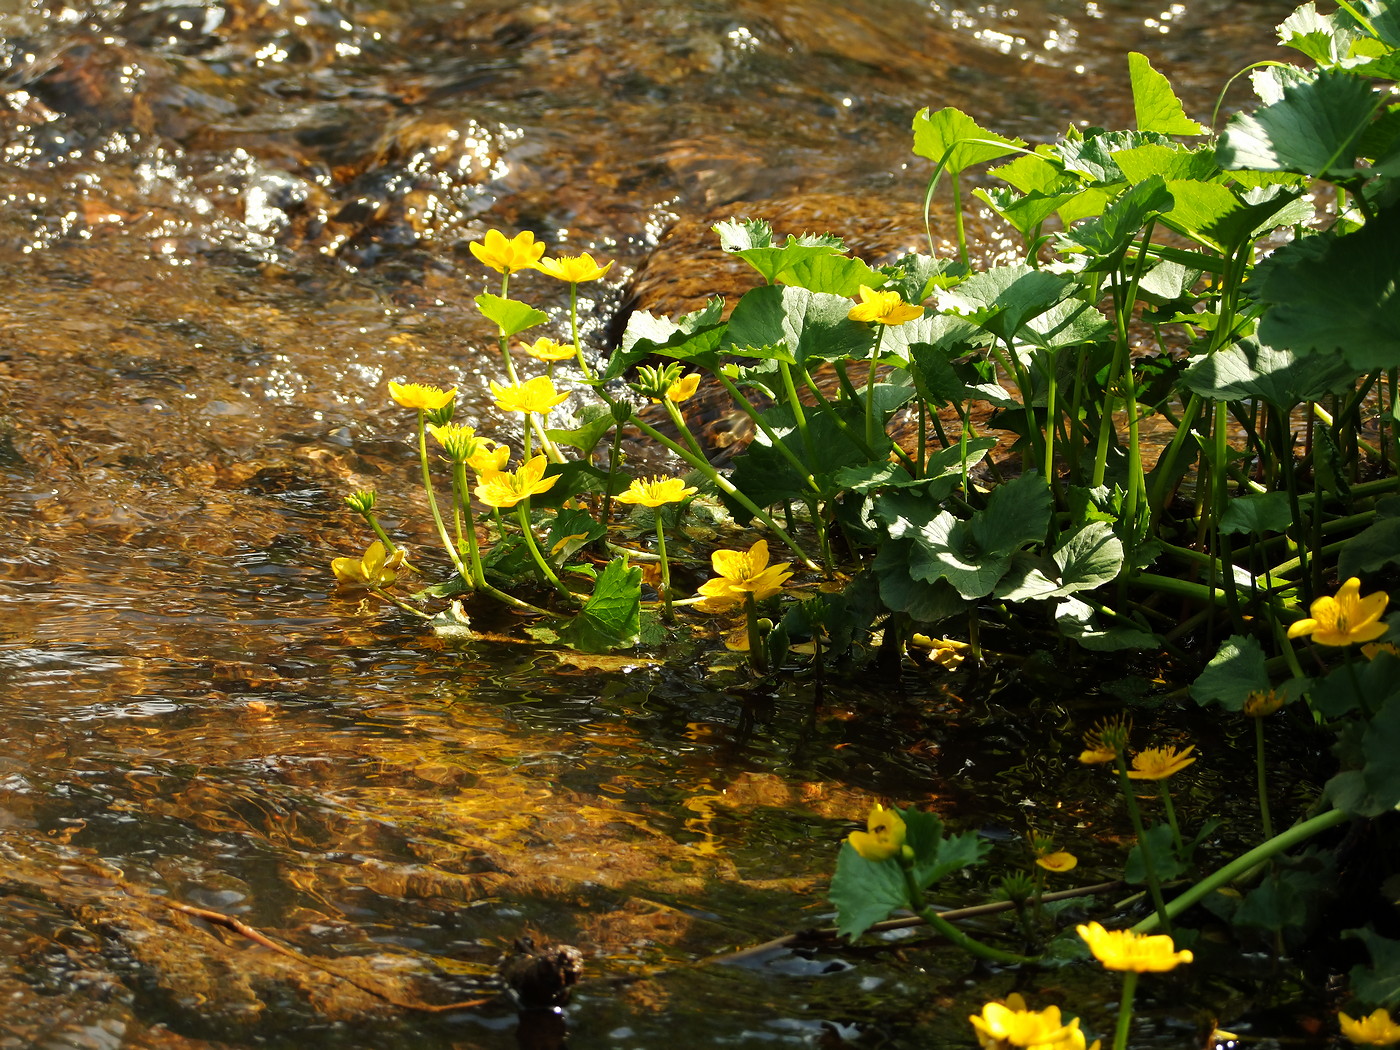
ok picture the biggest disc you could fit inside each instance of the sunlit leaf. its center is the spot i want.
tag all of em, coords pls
(1313, 129)
(1155, 104)
(951, 132)
(1284, 378)
(810, 324)
(611, 618)
(511, 315)
(1003, 298)
(1078, 620)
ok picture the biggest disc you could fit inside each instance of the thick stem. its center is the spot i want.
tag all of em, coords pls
(1149, 864)
(522, 514)
(968, 944)
(666, 612)
(447, 543)
(1125, 1010)
(1261, 777)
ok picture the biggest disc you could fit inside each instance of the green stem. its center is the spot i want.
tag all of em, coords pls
(666, 612)
(522, 515)
(1246, 862)
(1149, 864)
(870, 389)
(1170, 809)
(956, 936)
(447, 543)
(573, 328)
(758, 654)
(1261, 777)
(803, 470)
(1125, 1010)
(379, 532)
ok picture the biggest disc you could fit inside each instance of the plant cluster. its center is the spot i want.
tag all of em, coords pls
(1235, 295)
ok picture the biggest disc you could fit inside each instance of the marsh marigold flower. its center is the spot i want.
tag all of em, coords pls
(1263, 702)
(424, 398)
(1001, 1026)
(682, 389)
(883, 836)
(372, 571)
(1158, 763)
(656, 493)
(1058, 862)
(1347, 619)
(459, 441)
(502, 488)
(1137, 952)
(507, 255)
(883, 308)
(488, 457)
(740, 573)
(546, 349)
(575, 270)
(533, 395)
(1105, 741)
(1375, 1030)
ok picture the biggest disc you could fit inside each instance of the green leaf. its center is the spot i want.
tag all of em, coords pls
(1313, 129)
(950, 132)
(1173, 162)
(1334, 292)
(866, 892)
(834, 274)
(1377, 985)
(510, 315)
(1155, 104)
(1283, 378)
(1326, 39)
(1004, 298)
(594, 422)
(571, 530)
(813, 325)
(1033, 173)
(1376, 546)
(772, 263)
(1262, 513)
(611, 618)
(1224, 218)
(1089, 558)
(1236, 670)
(1375, 788)
(1092, 155)
(1017, 513)
(1290, 899)
(1109, 233)
(1165, 862)
(1077, 620)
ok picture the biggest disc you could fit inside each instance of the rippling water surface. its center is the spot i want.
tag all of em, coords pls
(225, 226)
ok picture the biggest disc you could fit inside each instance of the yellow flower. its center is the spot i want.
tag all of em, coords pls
(1158, 763)
(575, 271)
(883, 837)
(1105, 741)
(742, 573)
(1126, 950)
(1376, 1030)
(371, 571)
(883, 308)
(1263, 702)
(1376, 648)
(423, 398)
(489, 458)
(1011, 1024)
(1058, 862)
(459, 441)
(681, 390)
(656, 492)
(546, 349)
(506, 256)
(533, 395)
(1346, 619)
(501, 488)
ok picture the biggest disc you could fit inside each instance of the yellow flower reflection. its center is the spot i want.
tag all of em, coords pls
(883, 836)
(372, 571)
(1376, 1030)
(533, 395)
(741, 573)
(502, 488)
(883, 308)
(423, 398)
(575, 270)
(1158, 763)
(1135, 952)
(507, 255)
(1347, 619)
(656, 493)
(1010, 1024)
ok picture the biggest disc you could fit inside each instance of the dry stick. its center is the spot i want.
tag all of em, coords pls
(831, 933)
(257, 937)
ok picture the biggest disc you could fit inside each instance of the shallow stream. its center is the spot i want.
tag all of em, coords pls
(225, 227)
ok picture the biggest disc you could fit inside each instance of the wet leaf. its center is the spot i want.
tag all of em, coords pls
(611, 618)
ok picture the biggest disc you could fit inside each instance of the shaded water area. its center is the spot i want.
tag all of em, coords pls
(225, 227)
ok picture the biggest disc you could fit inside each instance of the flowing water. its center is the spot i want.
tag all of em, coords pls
(225, 227)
